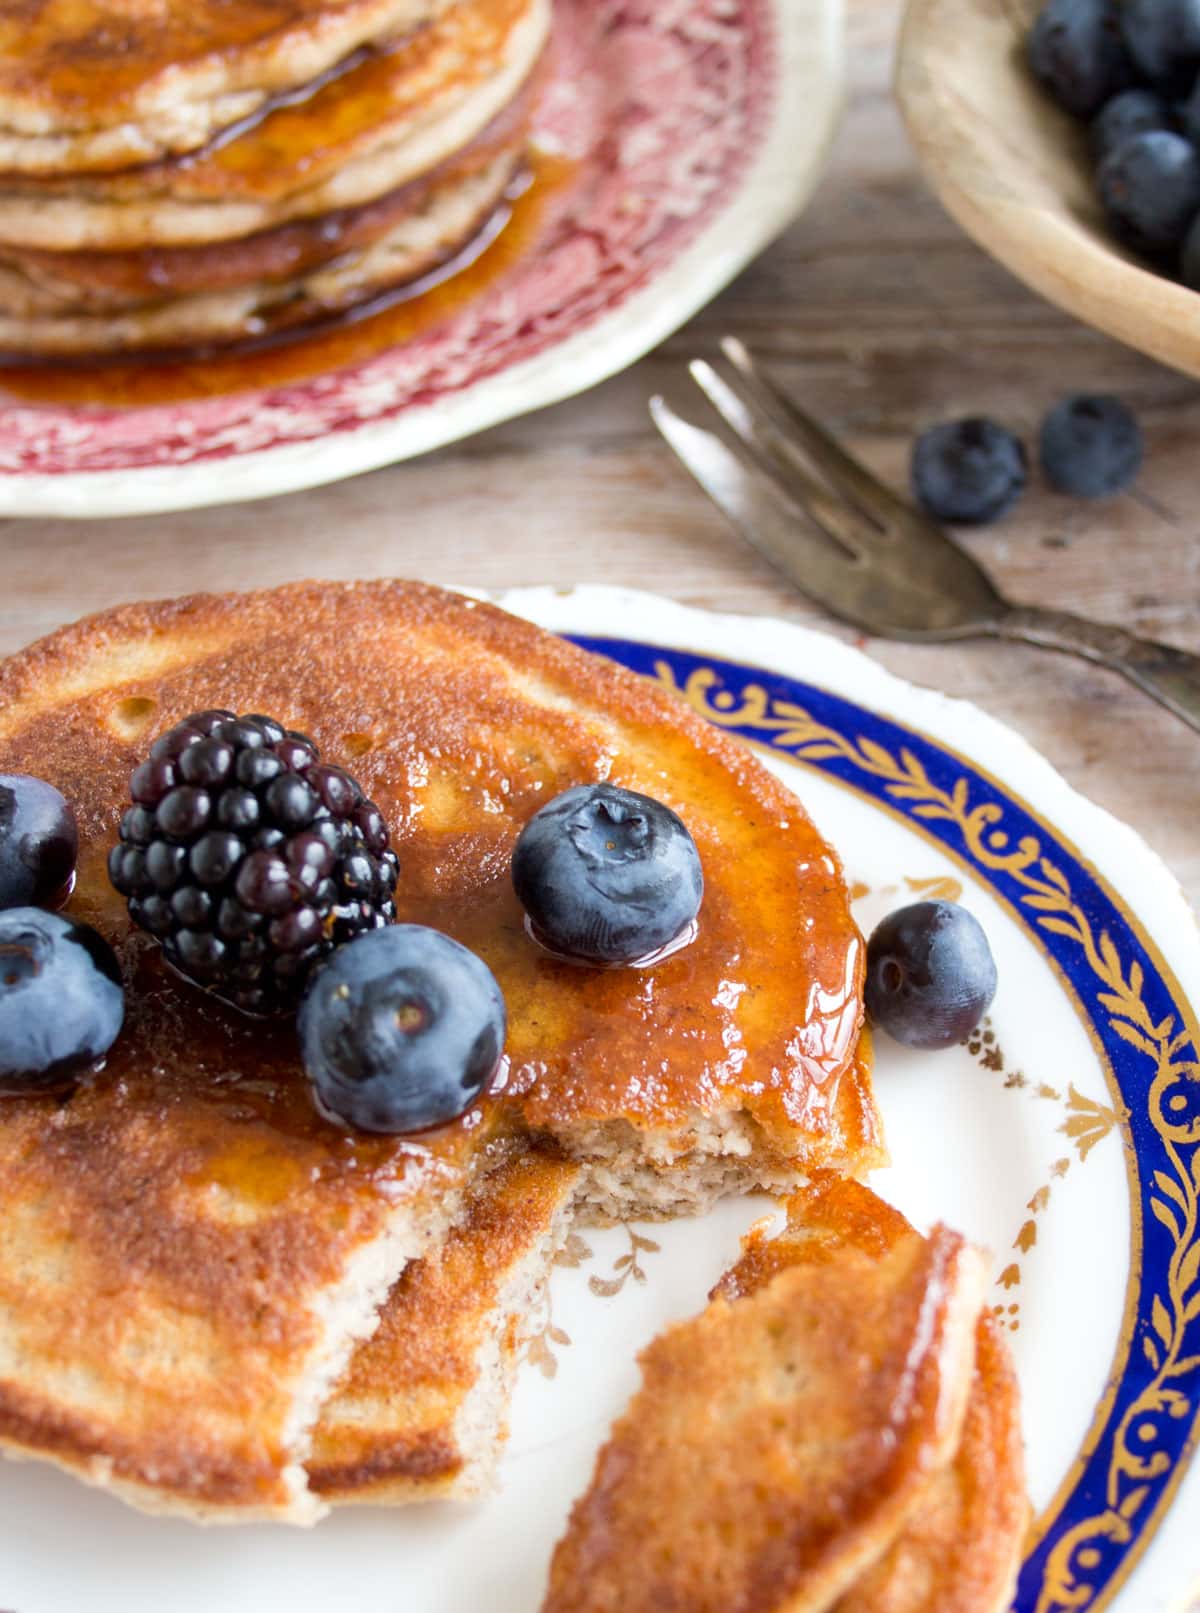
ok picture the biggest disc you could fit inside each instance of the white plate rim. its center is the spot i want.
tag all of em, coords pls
(1165, 1562)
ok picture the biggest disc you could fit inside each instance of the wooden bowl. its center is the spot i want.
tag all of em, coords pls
(1016, 173)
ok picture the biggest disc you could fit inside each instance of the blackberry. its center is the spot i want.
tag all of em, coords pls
(249, 859)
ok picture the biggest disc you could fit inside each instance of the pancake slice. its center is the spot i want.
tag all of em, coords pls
(420, 1413)
(780, 1441)
(960, 1551)
(177, 1299)
(221, 1245)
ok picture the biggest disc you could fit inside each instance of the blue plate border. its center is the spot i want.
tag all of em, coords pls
(1145, 1430)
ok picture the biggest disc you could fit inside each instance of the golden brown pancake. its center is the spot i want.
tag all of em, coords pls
(222, 1247)
(390, 119)
(781, 1440)
(420, 1412)
(109, 83)
(430, 231)
(63, 283)
(960, 1550)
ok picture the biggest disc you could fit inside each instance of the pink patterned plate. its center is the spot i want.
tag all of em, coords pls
(694, 130)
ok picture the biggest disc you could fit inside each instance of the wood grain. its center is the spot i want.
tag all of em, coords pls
(884, 318)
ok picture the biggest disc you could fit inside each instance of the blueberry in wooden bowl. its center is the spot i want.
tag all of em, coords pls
(981, 91)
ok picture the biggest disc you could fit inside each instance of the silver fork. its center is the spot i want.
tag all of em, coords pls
(873, 560)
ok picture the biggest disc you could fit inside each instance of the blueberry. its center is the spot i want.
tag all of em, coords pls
(1077, 50)
(606, 875)
(1150, 189)
(930, 974)
(1132, 112)
(968, 471)
(1091, 447)
(1163, 37)
(1189, 114)
(61, 1001)
(400, 1030)
(1189, 259)
(38, 842)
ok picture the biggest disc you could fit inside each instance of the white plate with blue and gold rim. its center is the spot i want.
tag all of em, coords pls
(1065, 1138)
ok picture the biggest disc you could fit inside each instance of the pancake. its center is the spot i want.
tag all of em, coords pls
(61, 283)
(420, 1414)
(433, 228)
(221, 1246)
(960, 1550)
(394, 116)
(780, 1441)
(110, 83)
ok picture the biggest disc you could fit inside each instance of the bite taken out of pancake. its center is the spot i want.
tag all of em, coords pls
(222, 1247)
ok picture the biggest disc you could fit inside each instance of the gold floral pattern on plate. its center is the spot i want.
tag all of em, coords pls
(1140, 1470)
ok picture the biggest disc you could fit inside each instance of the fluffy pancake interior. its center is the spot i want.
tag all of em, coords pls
(420, 1412)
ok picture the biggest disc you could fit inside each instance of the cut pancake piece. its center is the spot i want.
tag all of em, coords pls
(190, 1177)
(393, 117)
(110, 83)
(438, 227)
(421, 1412)
(960, 1551)
(780, 1441)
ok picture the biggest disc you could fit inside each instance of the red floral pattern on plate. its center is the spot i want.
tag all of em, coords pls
(661, 103)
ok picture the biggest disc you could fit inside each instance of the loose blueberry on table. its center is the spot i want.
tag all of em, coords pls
(930, 974)
(39, 842)
(1090, 446)
(607, 876)
(61, 1001)
(968, 471)
(250, 859)
(401, 1030)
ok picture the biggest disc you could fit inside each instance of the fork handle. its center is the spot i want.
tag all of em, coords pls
(1166, 674)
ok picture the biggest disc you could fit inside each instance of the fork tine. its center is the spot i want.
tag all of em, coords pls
(845, 524)
(856, 482)
(750, 499)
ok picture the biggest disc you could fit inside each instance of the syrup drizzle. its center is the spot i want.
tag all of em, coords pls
(647, 961)
(362, 333)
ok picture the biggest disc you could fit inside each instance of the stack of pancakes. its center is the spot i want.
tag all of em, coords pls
(837, 1433)
(180, 174)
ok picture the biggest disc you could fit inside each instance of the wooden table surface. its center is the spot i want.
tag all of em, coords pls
(885, 319)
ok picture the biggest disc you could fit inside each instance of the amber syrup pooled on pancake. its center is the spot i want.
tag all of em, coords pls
(350, 339)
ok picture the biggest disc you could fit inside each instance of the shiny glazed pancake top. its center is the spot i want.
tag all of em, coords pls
(460, 721)
(187, 1251)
